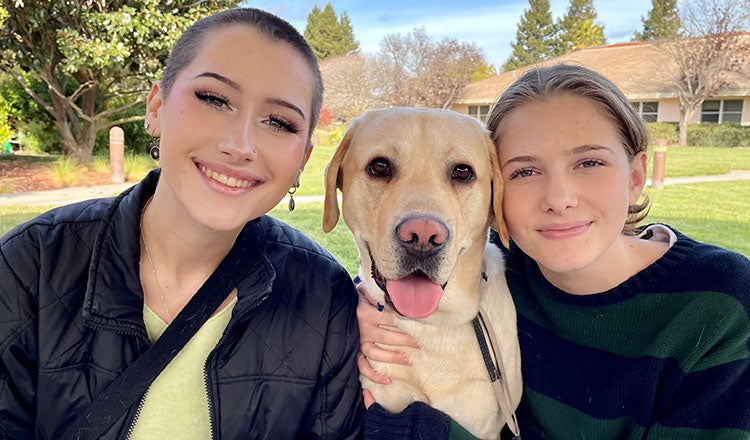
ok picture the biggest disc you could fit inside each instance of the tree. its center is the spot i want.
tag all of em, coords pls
(350, 85)
(578, 28)
(96, 58)
(415, 70)
(30, 124)
(328, 35)
(662, 23)
(535, 37)
(715, 46)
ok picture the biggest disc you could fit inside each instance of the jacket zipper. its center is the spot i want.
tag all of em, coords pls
(136, 415)
(209, 400)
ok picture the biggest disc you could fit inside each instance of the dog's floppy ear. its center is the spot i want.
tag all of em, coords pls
(496, 215)
(333, 180)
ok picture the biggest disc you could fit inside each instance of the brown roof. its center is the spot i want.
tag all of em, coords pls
(641, 70)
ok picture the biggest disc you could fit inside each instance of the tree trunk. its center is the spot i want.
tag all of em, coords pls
(79, 145)
(682, 140)
(686, 112)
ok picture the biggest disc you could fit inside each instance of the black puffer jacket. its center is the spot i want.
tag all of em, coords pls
(71, 319)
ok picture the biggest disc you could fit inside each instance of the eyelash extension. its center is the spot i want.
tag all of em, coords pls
(282, 124)
(211, 99)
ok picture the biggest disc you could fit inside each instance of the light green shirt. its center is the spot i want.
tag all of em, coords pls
(176, 403)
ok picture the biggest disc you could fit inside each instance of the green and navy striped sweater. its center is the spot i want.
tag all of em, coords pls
(664, 355)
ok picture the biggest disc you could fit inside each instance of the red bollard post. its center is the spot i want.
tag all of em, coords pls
(116, 154)
(659, 165)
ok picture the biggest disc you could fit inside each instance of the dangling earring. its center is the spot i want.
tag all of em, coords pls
(291, 192)
(154, 150)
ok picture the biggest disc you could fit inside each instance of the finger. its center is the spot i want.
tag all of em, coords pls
(386, 336)
(368, 397)
(366, 370)
(366, 312)
(376, 353)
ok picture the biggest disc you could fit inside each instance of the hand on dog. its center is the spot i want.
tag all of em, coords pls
(377, 327)
(368, 398)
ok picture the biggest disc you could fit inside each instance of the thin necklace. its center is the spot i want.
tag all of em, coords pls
(151, 262)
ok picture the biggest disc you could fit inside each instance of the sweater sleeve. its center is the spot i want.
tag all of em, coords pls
(712, 398)
(18, 363)
(417, 421)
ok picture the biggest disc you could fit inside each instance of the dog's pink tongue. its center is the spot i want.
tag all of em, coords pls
(414, 296)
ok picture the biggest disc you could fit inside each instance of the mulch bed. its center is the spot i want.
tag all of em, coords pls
(27, 173)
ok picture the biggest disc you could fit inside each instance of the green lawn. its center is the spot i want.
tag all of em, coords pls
(714, 212)
(703, 161)
(311, 182)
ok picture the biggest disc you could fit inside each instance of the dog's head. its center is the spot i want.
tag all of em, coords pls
(419, 187)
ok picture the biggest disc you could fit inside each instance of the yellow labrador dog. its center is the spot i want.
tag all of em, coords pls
(419, 189)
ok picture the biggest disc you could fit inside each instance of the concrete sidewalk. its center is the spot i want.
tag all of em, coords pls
(64, 196)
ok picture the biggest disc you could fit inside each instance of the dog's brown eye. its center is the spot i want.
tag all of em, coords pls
(379, 167)
(462, 173)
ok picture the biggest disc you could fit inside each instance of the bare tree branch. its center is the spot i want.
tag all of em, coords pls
(714, 48)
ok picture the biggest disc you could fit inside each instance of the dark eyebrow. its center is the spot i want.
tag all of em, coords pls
(221, 78)
(286, 104)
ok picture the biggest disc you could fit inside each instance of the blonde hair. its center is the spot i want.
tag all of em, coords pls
(545, 81)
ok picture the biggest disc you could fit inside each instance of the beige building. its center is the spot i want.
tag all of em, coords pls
(641, 70)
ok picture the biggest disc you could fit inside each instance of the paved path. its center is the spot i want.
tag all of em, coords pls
(733, 175)
(64, 196)
(75, 194)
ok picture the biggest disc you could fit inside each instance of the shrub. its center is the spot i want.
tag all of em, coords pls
(100, 165)
(727, 134)
(38, 138)
(5, 131)
(64, 171)
(663, 130)
(326, 117)
(136, 166)
(331, 137)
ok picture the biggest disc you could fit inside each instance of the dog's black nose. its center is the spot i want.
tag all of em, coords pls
(422, 236)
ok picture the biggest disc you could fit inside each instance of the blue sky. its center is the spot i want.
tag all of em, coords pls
(491, 25)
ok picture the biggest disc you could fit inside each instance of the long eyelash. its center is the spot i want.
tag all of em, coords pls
(283, 123)
(210, 98)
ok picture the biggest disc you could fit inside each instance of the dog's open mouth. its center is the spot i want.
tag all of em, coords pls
(413, 296)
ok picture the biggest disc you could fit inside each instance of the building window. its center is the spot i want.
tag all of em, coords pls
(721, 110)
(480, 112)
(648, 110)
